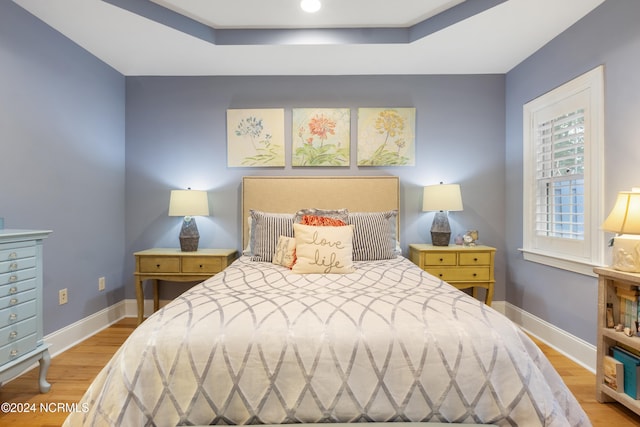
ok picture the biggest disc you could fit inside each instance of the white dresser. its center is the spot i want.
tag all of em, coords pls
(21, 342)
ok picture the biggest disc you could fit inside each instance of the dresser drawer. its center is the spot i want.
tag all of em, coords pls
(14, 288)
(439, 258)
(17, 276)
(18, 348)
(17, 251)
(17, 313)
(204, 264)
(165, 264)
(475, 258)
(461, 274)
(18, 330)
(17, 299)
(17, 264)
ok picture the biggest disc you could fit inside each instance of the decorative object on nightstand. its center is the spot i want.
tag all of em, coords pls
(172, 265)
(21, 318)
(624, 220)
(189, 203)
(461, 266)
(441, 198)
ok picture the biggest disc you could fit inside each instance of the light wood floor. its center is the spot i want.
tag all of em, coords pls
(71, 372)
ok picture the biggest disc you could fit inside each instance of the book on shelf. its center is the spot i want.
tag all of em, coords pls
(613, 373)
(631, 370)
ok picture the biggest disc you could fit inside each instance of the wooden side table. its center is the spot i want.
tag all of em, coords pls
(461, 266)
(173, 265)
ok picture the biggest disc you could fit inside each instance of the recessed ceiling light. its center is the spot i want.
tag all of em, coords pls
(310, 6)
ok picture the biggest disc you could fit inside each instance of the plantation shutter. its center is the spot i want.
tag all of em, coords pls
(560, 166)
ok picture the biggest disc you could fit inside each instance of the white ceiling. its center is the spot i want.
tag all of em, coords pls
(492, 41)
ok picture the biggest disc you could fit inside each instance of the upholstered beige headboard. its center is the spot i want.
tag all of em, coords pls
(284, 194)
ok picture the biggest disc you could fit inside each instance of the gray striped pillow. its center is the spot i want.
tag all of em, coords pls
(374, 235)
(265, 232)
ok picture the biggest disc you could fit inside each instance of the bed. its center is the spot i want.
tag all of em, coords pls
(368, 340)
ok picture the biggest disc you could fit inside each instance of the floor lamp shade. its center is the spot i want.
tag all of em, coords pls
(624, 220)
(441, 198)
(189, 203)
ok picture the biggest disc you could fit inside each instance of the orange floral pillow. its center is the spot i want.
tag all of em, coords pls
(322, 221)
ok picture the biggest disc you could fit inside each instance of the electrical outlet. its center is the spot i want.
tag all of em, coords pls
(63, 298)
(101, 283)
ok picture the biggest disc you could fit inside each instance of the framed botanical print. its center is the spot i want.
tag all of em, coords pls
(321, 136)
(255, 137)
(386, 136)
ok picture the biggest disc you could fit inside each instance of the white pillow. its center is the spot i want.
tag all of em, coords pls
(323, 249)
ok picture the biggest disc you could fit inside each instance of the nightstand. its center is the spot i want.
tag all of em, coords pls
(173, 265)
(461, 266)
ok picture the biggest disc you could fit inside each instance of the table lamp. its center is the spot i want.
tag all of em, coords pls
(441, 198)
(189, 203)
(624, 220)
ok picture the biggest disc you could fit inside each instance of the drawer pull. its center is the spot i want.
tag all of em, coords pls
(13, 353)
(440, 274)
(475, 259)
(201, 266)
(13, 317)
(475, 274)
(13, 290)
(13, 301)
(157, 265)
(13, 334)
(13, 255)
(13, 278)
(13, 266)
(441, 259)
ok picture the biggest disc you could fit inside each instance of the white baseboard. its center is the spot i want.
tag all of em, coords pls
(73, 334)
(570, 346)
(576, 349)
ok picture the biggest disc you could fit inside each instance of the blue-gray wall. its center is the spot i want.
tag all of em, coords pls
(62, 161)
(176, 138)
(610, 35)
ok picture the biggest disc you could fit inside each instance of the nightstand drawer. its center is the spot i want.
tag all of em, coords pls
(204, 264)
(165, 264)
(14, 332)
(461, 274)
(439, 258)
(16, 349)
(475, 258)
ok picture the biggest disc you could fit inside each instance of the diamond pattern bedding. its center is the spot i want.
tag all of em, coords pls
(258, 344)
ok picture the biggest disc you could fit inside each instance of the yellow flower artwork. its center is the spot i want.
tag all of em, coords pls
(386, 136)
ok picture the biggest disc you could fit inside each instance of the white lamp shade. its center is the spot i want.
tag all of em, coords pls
(188, 203)
(625, 215)
(442, 197)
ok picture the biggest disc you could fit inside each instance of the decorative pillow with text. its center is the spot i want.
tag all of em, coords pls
(325, 250)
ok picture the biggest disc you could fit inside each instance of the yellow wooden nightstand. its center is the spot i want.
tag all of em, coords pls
(173, 265)
(462, 266)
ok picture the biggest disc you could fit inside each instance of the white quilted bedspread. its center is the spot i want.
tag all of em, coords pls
(257, 344)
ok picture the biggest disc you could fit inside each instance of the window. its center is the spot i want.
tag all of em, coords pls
(563, 175)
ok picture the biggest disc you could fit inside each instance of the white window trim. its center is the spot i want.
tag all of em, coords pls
(593, 82)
